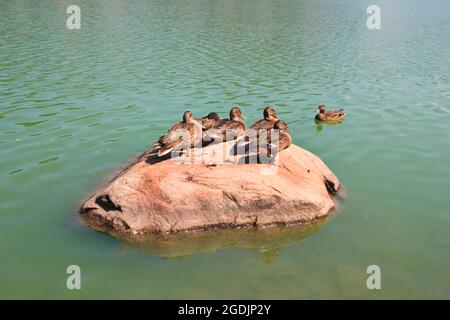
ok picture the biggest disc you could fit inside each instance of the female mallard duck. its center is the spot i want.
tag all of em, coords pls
(174, 136)
(330, 116)
(270, 117)
(209, 121)
(236, 123)
(284, 139)
(272, 147)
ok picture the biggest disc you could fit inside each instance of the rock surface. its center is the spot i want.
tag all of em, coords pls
(154, 195)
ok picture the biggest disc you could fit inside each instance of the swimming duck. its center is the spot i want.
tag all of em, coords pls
(173, 139)
(270, 117)
(235, 123)
(330, 116)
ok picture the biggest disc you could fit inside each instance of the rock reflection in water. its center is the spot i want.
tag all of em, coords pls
(268, 241)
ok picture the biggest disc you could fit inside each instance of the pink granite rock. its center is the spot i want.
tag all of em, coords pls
(154, 195)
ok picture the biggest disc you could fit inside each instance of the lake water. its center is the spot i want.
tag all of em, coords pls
(77, 105)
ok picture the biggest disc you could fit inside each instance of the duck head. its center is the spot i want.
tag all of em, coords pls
(320, 109)
(270, 113)
(187, 117)
(213, 116)
(281, 125)
(236, 114)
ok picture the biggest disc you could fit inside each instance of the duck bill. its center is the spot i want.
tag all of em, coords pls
(317, 111)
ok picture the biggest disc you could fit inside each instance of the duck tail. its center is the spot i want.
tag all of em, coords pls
(164, 150)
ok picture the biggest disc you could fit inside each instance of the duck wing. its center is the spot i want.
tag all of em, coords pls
(237, 126)
(284, 141)
(221, 127)
(336, 114)
(229, 124)
(262, 124)
(173, 134)
(175, 137)
(168, 147)
(207, 123)
(221, 123)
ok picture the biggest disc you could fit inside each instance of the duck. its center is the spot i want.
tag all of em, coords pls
(284, 138)
(266, 152)
(329, 116)
(270, 117)
(173, 140)
(235, 123)
(209, 121)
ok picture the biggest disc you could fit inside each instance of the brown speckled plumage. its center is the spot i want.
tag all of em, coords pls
(235, 124)
(173, 139)
(270, 117)
(330, 116)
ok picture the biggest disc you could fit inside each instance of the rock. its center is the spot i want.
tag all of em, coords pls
(157, 195)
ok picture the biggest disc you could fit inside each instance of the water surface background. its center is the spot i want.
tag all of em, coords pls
(76, 106)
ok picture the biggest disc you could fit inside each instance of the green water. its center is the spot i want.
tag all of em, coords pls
(76, 106)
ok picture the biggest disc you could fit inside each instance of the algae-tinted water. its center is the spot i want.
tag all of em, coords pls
(75, 106)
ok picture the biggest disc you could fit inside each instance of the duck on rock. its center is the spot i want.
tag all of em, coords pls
(174, 138)
(284, 139)
(235, 125)
(209, 121)
(270, 117)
